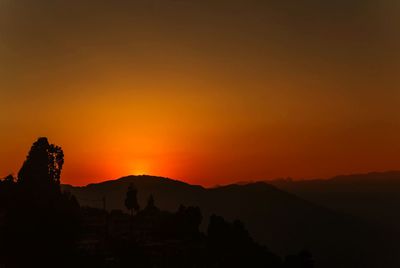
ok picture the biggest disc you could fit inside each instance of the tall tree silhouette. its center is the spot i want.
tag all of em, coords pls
(41, 170)
(42, 224)
(131, 202)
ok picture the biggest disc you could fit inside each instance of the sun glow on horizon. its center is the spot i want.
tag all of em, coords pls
(140, 168)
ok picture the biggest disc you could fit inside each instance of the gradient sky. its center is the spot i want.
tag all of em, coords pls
(205, 91)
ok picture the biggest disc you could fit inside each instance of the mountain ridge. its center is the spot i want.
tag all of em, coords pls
(285, 221)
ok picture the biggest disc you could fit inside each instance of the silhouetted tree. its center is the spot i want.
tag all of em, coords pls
(188, 220)
(131, 202)
(150, 203)
(9, 179)
(41, 170)
(42, 224)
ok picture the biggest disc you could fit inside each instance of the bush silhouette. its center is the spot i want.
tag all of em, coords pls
(230, 245)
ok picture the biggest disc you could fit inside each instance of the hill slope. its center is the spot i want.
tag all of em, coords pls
(374, 197)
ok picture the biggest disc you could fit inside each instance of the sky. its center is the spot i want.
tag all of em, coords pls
(205, 91)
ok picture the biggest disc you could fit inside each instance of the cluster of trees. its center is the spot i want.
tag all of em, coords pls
(224, 244)
(43, 226)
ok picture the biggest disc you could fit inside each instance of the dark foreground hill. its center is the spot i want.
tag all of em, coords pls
(282, 221)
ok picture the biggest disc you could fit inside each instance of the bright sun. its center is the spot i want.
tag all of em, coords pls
(140, 168)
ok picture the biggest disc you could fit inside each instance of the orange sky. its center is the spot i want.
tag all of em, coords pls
(209, 92)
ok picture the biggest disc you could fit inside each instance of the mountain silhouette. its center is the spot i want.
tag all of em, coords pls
(374, 196)
(281, 220)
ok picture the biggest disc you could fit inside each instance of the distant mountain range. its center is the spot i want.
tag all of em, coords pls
(287, 216)
(374, 197)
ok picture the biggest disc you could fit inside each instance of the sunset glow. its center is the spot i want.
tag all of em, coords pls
(162, 89)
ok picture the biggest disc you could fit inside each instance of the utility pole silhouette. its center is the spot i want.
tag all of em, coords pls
(104, 202)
